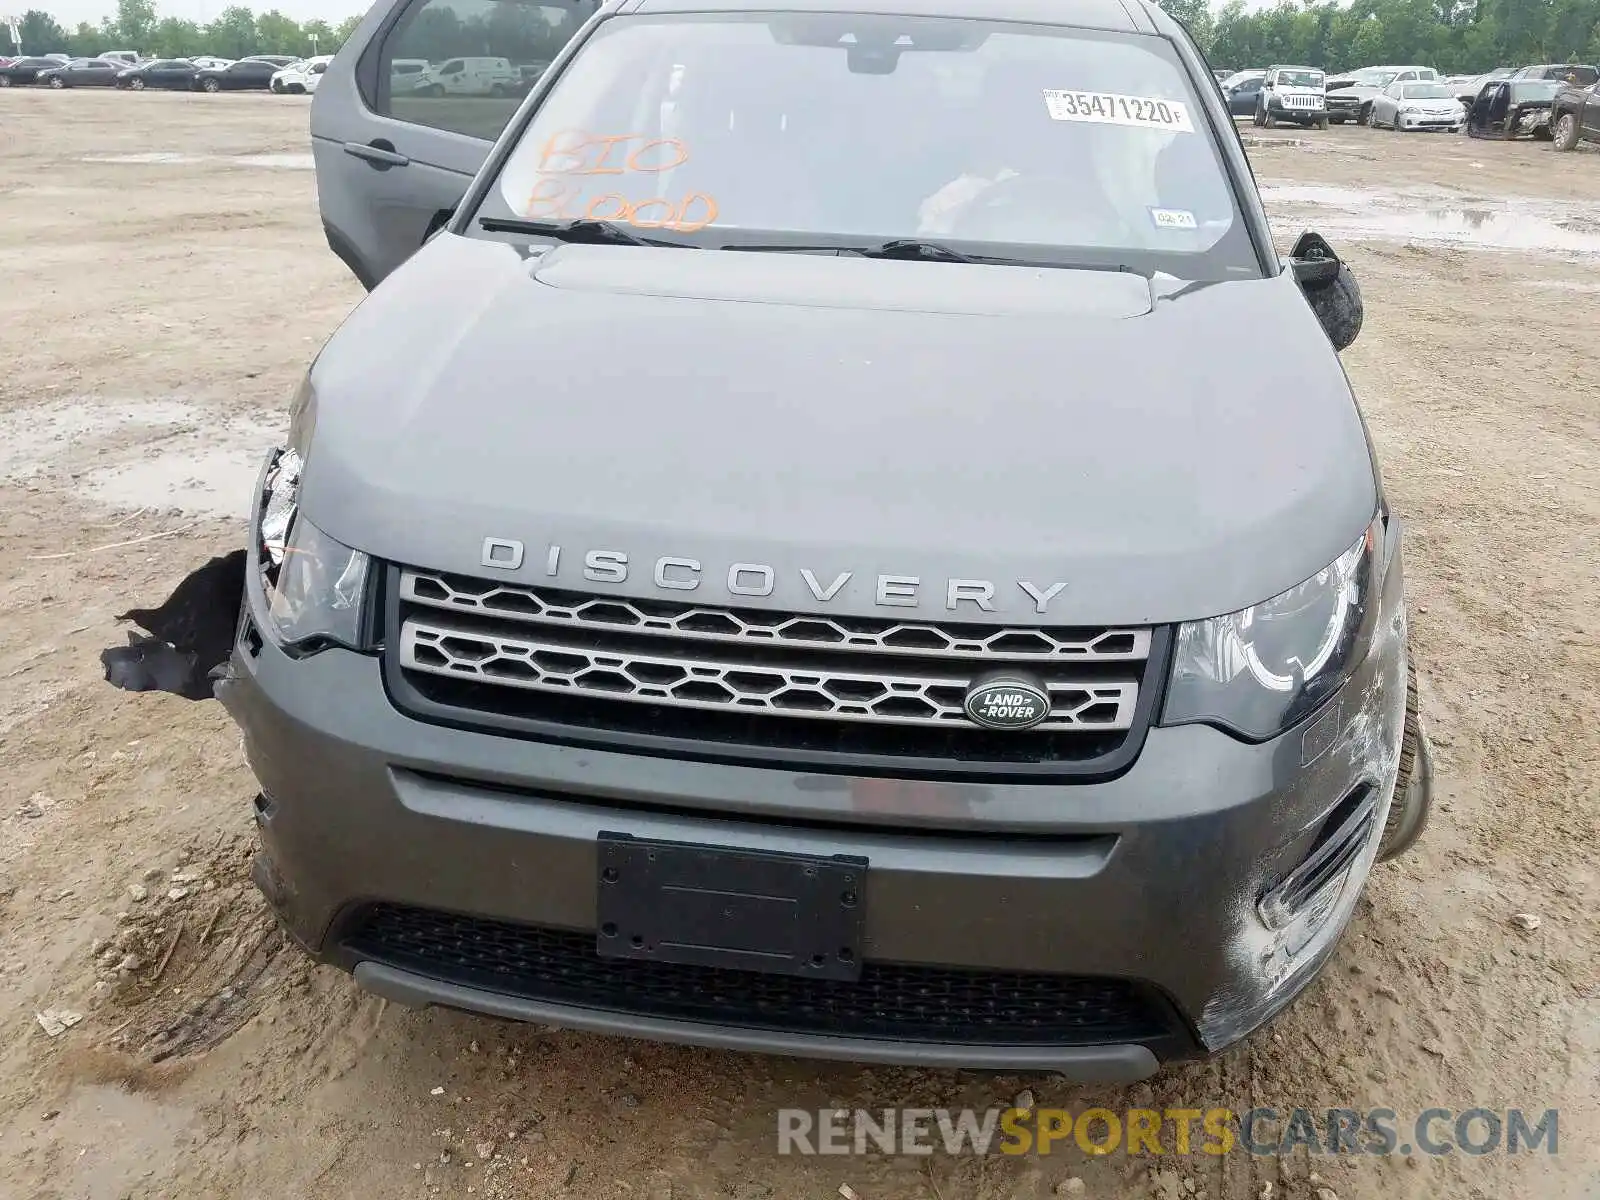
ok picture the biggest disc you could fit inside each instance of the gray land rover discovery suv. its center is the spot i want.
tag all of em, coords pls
(838, 535)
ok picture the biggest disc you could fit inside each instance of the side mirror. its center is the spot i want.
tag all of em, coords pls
(1330, 288)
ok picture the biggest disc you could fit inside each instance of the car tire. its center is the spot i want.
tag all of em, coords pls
(498, 91)
(1268, 121)
(212, 86)
(435, 90)
(136, 84)
(276, 87)
(1324, 123)
(5, 81)
(1413, 789)
(55, 82)
(1364, 117)
(1544, 134)
(1567, 132)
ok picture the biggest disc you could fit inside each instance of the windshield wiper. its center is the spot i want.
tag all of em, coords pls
(594, 233)
(911, 248)
(898, 248)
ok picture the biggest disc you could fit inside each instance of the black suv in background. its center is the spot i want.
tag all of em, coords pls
(1582, 74)
(1575, 116)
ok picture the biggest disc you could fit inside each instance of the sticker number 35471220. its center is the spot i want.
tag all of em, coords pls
(1112, 108)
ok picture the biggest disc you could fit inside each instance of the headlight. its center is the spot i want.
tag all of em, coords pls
(1261, 670)
(315, 586)
(318, 593)
(1411, 110)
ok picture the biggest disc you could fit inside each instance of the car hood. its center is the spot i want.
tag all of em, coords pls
(1363, 91)
(1164, 453)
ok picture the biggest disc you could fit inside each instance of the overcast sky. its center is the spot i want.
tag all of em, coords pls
(70, 12)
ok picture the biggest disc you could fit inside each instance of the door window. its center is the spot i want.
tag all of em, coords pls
(446, 31)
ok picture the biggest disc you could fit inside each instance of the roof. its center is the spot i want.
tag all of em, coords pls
(1128, 16)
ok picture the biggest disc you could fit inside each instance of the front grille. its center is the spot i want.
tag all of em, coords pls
(1302, 101)
(913, 1003)
(524, 655)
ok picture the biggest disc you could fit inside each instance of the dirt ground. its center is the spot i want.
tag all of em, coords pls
(165, 284)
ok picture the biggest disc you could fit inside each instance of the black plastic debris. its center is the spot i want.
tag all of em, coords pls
(190, 634)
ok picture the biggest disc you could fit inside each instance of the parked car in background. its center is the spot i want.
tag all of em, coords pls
(83, 72)
(1582, 74)
(1575, 116)
(1512, 108)
(1467, 87)
(25, 70)
(1242, 91)
(277, 60)
(301, 77)
(248, 74)
(1294, 94)
(1350, 94)
(207, 62)
(169, 73)
(123, 58)
(1221, 73)
(59, 57)
(403, 73)
(1404, 107)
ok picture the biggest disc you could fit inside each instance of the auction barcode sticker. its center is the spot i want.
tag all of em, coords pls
(1112, 108)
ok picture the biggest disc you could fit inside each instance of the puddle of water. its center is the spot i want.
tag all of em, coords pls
(158, 454)
(288, 162)
(1506, 224)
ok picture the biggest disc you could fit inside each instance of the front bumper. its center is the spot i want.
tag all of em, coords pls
(1432, 121)
(1142, 890)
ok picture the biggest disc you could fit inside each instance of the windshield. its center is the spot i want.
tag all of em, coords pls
(1007, 141)
(1426, 91)
(1305, 79)
(1535, 89)
(1372, 77)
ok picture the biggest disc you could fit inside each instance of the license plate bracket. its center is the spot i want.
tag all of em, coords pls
(712, 906)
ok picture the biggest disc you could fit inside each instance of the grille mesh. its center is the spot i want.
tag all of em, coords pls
(507, 649)
(893, 1001)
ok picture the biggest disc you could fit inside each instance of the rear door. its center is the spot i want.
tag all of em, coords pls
(1591, 112)
(393, 160)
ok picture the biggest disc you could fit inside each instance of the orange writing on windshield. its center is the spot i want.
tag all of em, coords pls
(555, 199)
(574, 152)
(570, 157)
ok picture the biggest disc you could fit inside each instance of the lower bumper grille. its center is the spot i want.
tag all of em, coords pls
(908, 1003)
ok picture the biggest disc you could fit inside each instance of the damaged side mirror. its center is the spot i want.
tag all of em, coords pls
(1330, 288)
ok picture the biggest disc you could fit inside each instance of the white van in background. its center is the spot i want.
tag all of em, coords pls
(470, 77)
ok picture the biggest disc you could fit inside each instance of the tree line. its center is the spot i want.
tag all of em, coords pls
(1453, 36)
(235, 33)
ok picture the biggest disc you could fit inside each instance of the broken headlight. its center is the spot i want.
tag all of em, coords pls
(315, 586)
(1259, 671)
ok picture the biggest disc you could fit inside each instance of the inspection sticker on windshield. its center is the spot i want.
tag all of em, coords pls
(1111, 108)
(1173, 218)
